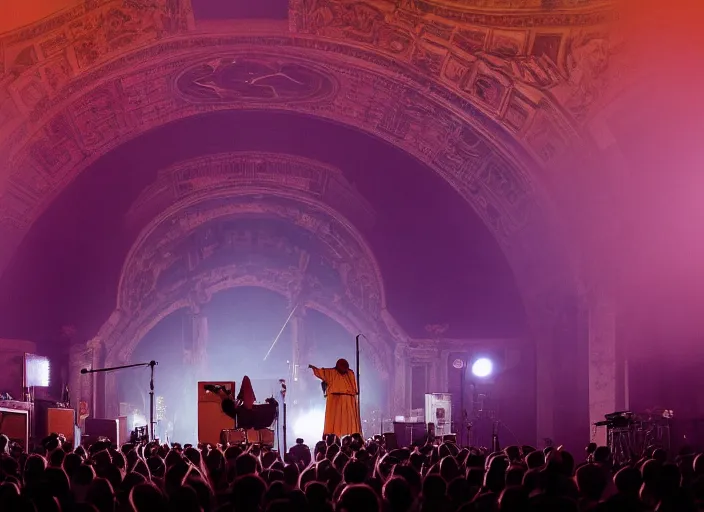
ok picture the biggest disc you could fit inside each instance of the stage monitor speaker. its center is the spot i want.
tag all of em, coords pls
(450, 438)
(390, 441)
(211, 420)
(14, 423)
(61, 421)
(96, 428)
(409, 433)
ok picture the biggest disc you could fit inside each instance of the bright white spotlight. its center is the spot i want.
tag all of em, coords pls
(37, 371)
(482, 367)
(309, 426)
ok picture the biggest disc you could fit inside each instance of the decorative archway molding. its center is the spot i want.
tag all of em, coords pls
(486, 163)
(124, 333)
(304, 192)
(213, 191)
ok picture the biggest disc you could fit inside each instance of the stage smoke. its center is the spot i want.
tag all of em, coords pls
(309, 426)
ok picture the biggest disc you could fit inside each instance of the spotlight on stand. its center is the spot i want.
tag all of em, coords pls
(482, 367)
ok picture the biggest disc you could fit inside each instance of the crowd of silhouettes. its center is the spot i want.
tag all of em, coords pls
(341, 475)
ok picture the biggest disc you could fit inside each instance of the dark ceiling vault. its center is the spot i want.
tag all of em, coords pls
(439, 262)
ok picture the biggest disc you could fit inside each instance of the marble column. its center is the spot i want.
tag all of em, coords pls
(194, 357)
(294, 381)
(400, 393)
(80, 385)
(541, 327)
(443, 380)
(199, 343)
(603, 363)
(97, 408)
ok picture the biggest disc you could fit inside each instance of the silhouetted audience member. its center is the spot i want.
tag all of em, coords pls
(347, 474)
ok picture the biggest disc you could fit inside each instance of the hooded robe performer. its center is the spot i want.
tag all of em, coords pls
(341, 410)
(241, 409)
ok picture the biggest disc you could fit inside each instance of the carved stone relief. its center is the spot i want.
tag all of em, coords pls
(169, 267)
(536, 48)
(285, 174)
(366, 99)
(253, 79)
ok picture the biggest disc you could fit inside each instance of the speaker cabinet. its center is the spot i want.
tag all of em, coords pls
(61, 421)
(14, 423)
(233, 437)
(266, 437)
(408, 434)
(123, 430)
(211, 420)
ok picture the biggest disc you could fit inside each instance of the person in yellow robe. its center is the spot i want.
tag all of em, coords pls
(341, 410)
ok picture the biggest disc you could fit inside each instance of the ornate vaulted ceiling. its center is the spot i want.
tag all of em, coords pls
(489, 95)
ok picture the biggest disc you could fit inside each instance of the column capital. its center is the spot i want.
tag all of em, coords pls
(401, 349)
(425, 352)
(95, 343)
(197, 298)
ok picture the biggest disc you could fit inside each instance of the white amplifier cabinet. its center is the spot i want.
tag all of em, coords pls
(438, 410)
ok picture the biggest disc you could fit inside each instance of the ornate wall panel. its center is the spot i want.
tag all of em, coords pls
(505, 55)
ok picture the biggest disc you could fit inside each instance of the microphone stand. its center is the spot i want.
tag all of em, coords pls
(359, 385)
(151, 365)
(283, 399)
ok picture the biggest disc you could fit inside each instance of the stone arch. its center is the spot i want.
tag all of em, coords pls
(357, 301)
(117, 353)
(228, 177)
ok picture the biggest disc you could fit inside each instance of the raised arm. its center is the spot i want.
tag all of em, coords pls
(323, 374)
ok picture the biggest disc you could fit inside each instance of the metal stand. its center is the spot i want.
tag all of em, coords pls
(151, 365)
(284, 431)
(152, 423)
(463, 409)
(359, 385)
(283, 400)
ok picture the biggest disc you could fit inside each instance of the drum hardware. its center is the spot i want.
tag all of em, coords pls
(628, 435)
(240, 436)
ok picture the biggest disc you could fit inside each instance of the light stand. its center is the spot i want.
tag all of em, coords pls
(463, 405)
(151, 365)
(359, 385)
(283, 400)
(152, 423)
